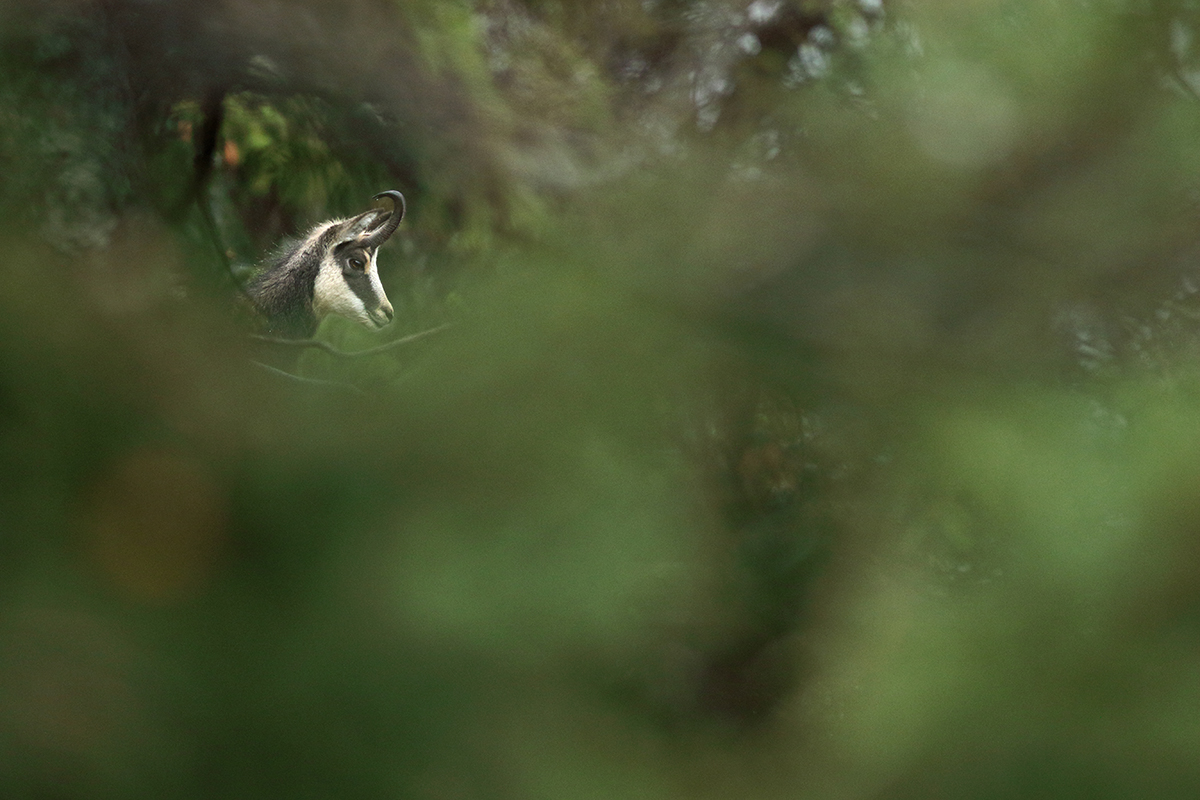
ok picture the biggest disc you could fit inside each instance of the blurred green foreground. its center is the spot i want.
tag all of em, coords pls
(812, 408)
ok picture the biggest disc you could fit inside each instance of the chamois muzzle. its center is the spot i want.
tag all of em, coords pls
(380, 235)
(383, 315)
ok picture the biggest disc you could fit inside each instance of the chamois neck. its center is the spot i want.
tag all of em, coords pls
(283, 296)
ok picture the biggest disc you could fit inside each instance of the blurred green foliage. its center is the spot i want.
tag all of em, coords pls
(811, 409)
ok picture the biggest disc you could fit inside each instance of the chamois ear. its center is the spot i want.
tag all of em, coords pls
(372, 228)
(359, 227)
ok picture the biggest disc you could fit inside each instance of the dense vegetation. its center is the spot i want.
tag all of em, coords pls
(811, 406)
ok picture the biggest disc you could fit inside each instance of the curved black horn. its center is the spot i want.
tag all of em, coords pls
(381, 235)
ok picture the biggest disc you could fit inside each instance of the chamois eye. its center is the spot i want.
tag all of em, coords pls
(358, 264)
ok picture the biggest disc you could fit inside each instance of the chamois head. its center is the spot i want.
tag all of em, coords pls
(330, 271)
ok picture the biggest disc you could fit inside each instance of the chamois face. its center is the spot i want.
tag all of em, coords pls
(347, 281)
(332, 271)
(348, 285)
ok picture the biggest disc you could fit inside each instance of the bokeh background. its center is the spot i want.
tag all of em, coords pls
(812, 407)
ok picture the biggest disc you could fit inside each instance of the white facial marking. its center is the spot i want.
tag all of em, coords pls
(331, 295)
(383, 313)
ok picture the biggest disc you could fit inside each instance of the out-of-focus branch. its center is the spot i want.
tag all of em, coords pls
(333, 351)
(310, 381)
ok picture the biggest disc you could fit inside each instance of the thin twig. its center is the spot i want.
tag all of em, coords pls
(333, 351)
(1185, 82)
(310, 381)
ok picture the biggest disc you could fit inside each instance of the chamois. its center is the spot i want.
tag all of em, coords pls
(330, 271)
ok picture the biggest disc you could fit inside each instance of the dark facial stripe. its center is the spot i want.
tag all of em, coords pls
(360, 282)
